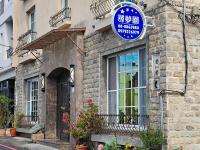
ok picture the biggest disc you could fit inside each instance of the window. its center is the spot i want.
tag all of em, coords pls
(32, 99)
(127, 92)
(31, 23)
(64, 3)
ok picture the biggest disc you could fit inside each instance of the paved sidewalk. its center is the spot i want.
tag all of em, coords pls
(37, 147)
(18, 143)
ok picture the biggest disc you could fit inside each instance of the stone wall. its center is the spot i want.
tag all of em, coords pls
(102, 44)
(182, 115)
(57, 59)
(24, 72)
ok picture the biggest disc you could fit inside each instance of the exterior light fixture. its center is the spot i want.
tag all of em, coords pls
(72, 66)
(43, 82)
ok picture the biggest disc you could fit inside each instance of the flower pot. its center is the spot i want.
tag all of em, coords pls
(13, 132)
(81, 147)
(3, 132)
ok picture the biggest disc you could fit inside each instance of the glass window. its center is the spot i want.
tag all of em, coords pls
(31, 24)
(32, 98)
(128, 71)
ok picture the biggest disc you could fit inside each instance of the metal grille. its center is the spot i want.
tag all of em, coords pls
(121, 124)
(27, 37)
(65, 13)
(100, 8)
(29, 121)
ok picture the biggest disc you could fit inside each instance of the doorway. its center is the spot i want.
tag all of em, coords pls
(63, 104)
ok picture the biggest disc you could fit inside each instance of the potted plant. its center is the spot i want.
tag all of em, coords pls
(4, 101)
(18, 117)
(152, 139)
(83, 126)
(11, 122)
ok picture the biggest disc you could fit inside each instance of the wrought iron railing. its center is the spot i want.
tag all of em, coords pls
(27, 37)
(100, 8)
(9, 52)
(121, 124)
(63, 14)
(29, 121)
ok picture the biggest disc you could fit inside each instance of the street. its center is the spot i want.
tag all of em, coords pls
(16, 143)
(9, 143)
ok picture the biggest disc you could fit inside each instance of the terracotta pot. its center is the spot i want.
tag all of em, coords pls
(3, 132)
(13, 132)
(81, 147)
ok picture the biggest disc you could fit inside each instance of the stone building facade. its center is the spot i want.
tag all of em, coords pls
(169, 108)
(102, 75)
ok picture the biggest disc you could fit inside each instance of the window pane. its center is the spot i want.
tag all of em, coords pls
(135, 111)
(112, 74)
(128, 97)
(129, 59)
(128, 111)
(112, 103)
(135, 78)
(121, 79)
(143, 67)
(135, 97)
(121, 63)
(143, 97)
(128, 80)
(28, 108)
(28, 90)
(135, 61)
(121, 98)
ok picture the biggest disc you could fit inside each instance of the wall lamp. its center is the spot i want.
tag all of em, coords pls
(43, 82)
(72, 67)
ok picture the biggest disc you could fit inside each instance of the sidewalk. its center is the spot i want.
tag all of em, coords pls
(33, 146)
(19, 143)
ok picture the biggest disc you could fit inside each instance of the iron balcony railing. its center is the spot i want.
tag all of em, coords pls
(29, 121)
(100, 8)
(63, 14)
(121, 124)
(27, 37)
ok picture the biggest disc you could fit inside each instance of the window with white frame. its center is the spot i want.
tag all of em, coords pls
(31, 23)
(32, 99)
(126, 84)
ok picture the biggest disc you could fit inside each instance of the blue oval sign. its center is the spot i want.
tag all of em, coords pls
(129, 22)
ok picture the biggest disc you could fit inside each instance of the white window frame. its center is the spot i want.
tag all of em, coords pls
(117, 78)
(31, 25)
(30, 99)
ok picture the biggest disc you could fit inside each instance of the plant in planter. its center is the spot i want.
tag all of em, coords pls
(152, 139)
(18, 117)
(85, 122)
(4, 101)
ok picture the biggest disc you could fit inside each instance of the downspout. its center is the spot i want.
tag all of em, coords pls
(99, 83)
